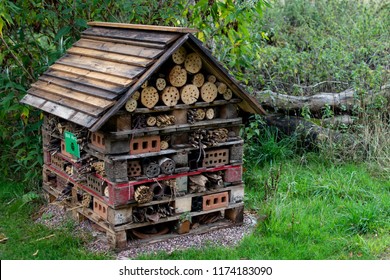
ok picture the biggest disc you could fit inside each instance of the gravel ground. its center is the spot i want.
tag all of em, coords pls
(54, 216)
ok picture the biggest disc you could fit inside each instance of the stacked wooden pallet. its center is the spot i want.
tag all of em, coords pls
(170, 161)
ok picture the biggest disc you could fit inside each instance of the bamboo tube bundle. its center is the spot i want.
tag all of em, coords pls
(143, 194)
(165, 120)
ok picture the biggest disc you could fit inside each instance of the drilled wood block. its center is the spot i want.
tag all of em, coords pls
(96, 184)
(116, 171)
(233, 174)
(183, 204)
(215, 201)
(145, 144)
(120, 216)
(236, 215)
(100, 208)
(216, 158)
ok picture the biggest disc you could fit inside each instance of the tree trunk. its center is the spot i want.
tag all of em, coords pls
(343, 101)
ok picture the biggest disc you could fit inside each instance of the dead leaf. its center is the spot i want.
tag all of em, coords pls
(3, 238)
(36, 253)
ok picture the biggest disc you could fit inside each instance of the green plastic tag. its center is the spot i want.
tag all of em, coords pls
(71, 145)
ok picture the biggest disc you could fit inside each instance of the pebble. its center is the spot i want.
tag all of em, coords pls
(54, 215)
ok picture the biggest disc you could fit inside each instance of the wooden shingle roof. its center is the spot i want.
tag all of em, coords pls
(101, 71)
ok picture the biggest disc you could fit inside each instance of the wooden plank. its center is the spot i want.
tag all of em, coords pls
(58, 110)
(119, 48)
(127, 42)
(70, 103)
(144, 27)
(114, 57)
(139, 82)
(181, 127)
(83, 119)
(90, 74)
(79, 87)
(164, 108)
(33, 101)
(103, 66)
(132, 34)
(83, 80)
(72, 94)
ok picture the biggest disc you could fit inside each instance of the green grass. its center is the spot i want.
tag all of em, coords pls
(319, 211)
(16, 208)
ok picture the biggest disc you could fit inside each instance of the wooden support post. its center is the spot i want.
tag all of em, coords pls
(236, 215)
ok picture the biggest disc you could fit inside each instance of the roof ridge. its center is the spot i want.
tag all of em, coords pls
(143, 27)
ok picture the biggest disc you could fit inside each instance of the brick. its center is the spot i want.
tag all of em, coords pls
(100, 208)
(106, 144)
(233, 174)
(57, 162)
(215, 201)
(216, 158)
(134, 168)
(96, 184)
(63, 150)
(145, 144)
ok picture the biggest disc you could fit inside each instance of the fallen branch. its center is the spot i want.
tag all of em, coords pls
(343, 101)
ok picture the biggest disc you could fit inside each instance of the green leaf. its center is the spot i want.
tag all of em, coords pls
(62, 32)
